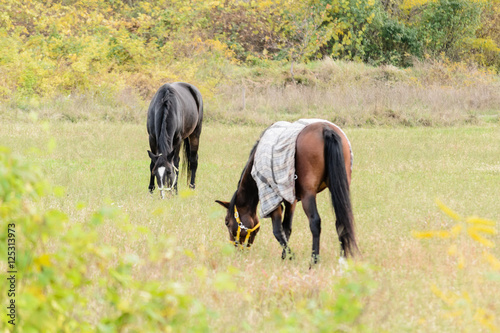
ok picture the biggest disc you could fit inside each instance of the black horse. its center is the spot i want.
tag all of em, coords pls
(175, 115)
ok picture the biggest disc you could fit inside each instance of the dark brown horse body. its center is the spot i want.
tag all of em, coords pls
(322, 159)
(175, 116)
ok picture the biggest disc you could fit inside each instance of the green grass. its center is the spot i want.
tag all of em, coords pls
(397, 175)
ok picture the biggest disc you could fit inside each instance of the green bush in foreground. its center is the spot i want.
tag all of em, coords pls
(56, 264)
(332, 313)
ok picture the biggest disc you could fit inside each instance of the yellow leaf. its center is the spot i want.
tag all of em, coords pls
(492, 260)
(484, 229)
(431, 233)
(486, 318)
(439, 293)
(480, 239)
(37, 292)
(43, 260)
(480, 221)
(422, 234)
(448, 211)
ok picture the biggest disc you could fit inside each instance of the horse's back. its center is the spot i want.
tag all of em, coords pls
(189, 95)
(183, 101)
(190, 108)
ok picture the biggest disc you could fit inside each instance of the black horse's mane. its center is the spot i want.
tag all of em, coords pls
(167, 103)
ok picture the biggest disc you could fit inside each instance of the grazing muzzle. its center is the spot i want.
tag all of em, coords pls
(241, 227)
(162, 188)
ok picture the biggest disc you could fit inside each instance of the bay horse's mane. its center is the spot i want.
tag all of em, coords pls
(249, 164)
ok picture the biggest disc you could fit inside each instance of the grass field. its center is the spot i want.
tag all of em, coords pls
(398, 174)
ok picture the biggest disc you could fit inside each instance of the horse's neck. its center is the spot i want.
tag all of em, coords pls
(247, 194)
(170, 125)
(166, 139)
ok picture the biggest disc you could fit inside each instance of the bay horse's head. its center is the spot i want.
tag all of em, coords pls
(164, 171)
(241, 223)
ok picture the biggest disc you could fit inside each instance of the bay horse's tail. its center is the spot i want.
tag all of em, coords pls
(339, 189)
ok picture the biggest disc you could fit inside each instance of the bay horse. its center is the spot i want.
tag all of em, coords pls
(175, 116)
(323, 158)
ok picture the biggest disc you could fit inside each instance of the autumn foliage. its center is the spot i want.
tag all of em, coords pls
(54, 48)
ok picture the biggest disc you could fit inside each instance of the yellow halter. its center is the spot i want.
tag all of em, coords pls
(242, 227)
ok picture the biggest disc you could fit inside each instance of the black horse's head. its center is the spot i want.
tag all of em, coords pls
(164, 170)
(241, 223)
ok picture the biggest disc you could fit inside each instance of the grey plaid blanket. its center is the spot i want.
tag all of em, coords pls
(274, 163)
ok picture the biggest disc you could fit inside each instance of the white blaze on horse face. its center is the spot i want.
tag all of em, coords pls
(161, 172)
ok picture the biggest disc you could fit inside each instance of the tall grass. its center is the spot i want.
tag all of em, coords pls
(351, 94)
(437, 94)
(397, 174)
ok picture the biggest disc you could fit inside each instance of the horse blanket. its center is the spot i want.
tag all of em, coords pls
(274, 163)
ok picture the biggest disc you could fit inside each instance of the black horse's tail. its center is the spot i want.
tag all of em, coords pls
(339, 189)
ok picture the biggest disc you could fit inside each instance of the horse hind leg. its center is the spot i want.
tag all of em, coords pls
(311, 210)
(191, 146)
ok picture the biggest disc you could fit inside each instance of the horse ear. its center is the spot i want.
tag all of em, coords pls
(152, 156)
(224, 204)
(170, 156)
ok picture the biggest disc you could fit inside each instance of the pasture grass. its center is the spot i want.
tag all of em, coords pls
(398, 174)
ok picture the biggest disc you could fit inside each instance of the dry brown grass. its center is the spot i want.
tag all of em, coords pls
(350, 94)
(353, 94)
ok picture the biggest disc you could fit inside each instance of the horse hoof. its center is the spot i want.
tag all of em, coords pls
(314, 261)
(287, 253)
(192, 186)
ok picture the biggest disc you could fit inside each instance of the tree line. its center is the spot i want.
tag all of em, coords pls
(88, 42)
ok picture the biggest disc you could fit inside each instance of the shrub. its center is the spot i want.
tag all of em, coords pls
(444, 24)
(338, 310)
(62, 267)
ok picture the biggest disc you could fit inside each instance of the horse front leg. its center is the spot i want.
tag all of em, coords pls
(176, 170)
(311, 210)
(152, 179)
(279, 233)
